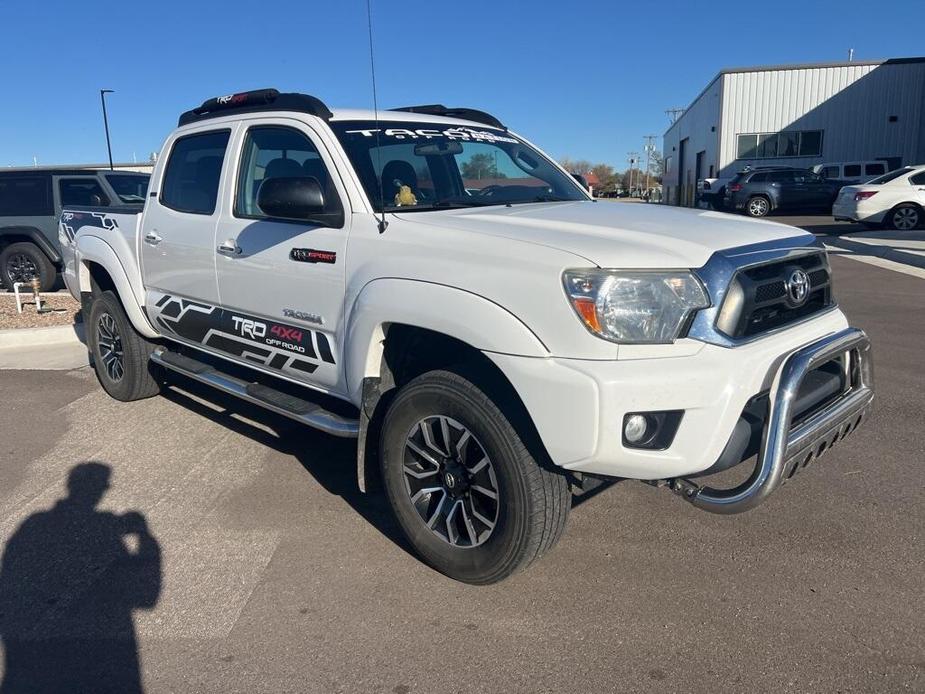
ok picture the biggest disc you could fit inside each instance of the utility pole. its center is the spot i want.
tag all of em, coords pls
(103, 93)
(633, 156)
(649, 148)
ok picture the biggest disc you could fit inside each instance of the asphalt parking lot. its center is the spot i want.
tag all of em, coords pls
(259, 567)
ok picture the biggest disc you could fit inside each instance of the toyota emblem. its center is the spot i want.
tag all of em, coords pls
(798, 287)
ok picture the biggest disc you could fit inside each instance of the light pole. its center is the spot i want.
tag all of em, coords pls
(103, 93)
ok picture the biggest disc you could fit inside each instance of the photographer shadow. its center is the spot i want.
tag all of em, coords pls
(70, 578)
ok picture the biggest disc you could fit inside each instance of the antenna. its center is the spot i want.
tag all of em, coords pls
(383, 223)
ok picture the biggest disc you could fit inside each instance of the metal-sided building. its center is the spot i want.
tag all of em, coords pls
(797, 115)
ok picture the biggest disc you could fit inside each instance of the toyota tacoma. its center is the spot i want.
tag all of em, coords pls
(429, 283)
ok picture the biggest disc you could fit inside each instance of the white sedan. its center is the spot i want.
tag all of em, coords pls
(895, 199)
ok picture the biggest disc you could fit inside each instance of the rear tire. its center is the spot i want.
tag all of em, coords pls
(757, 206)
(905, 217)
(21, 261)
(469, 496)
(120, 354)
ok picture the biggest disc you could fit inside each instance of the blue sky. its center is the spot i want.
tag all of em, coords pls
(581, 79)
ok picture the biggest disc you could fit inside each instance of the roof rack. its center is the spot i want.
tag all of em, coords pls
(462, 113)
(257, 100)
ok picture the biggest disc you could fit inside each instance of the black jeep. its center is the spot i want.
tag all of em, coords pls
(30, 204)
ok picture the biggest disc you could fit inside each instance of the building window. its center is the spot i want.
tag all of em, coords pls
(790, 143)
(668, 165)
(747, 147)
(811, 143)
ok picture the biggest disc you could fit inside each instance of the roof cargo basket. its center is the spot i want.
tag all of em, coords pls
(257, 100)
(461, 113)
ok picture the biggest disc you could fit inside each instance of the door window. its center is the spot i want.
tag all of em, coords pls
(81, 192)
(874, 169)
(830, 172)
(193, 173)
(781, 177)
(25, 196)
(918, 179)
(279, 152)
(852, 170)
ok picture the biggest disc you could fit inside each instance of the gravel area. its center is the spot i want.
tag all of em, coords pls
(66, 311)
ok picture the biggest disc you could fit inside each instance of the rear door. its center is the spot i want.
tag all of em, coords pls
(178, 227)
(282, 282)
(918, 187)
(788, 195)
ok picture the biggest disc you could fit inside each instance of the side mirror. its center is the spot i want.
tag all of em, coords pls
(291, 198)
(582, 181)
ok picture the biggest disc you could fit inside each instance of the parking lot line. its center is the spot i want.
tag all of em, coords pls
(878, 255)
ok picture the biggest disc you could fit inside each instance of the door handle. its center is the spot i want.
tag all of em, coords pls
(153, 238)
(229, 247)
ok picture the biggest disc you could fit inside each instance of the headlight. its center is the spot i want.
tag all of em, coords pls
(634, 307)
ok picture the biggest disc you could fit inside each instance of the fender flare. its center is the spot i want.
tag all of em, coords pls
(37, 237)
(92, 249)
(454, 312)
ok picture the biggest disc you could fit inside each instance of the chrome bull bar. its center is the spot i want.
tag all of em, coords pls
(786, 448)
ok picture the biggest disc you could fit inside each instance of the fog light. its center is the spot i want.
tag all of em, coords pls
(636, 428)
(653, 431)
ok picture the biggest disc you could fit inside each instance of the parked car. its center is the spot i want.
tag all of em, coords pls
(478, 344)
(758, 192)
(896, 200)
(850, 173)
(712, 192)
(31, 200)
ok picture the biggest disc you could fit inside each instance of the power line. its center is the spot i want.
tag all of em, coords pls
(674, 113)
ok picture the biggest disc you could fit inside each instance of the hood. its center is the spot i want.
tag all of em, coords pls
(617, 234)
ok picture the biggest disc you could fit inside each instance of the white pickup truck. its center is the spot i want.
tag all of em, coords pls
(428, 282)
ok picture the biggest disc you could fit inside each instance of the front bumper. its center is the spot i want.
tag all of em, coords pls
(578, 405)
(786, 448)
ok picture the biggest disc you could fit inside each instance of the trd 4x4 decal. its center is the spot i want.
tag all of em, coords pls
(278, 346)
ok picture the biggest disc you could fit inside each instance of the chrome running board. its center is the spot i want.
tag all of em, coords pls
(304, 411)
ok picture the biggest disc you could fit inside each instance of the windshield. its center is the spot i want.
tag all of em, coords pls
(887, 177)
(131, 188)
(423, 166)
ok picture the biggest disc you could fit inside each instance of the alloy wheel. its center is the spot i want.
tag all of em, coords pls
(21, 268)
(451, 481)
(906, 218)
(758, 207)
(110, 347)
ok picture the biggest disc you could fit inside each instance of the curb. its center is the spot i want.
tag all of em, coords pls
(38, 337)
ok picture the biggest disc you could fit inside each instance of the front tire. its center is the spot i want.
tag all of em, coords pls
(23, 261)
(120, 354)
(469, 496)
(757, 206)
(905, 217)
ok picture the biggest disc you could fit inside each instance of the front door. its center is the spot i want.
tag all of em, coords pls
(819, 194)
(281, 281)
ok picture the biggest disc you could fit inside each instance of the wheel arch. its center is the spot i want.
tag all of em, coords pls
(394, 337)
(455, 313)
(99, 266)
(16, 234)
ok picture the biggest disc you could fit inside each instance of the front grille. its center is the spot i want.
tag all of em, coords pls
(760, 297)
